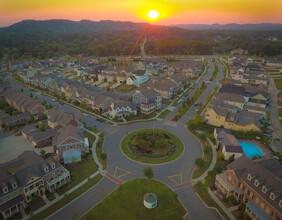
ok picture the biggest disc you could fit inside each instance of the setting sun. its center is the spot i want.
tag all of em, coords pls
(153, 14)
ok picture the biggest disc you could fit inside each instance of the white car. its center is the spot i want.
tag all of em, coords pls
(54, 100)
(85, 114)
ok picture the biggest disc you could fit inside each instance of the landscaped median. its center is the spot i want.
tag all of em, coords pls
(152, 146)
(127, 202)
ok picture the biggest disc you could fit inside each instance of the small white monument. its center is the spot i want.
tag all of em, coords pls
(150, 200)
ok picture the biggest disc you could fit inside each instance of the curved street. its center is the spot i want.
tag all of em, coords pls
(176, 174)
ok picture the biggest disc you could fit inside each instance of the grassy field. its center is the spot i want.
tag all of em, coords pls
(164, 114)
(67, 199)
(279, 98)
(278, 83)
(99, 150)
(91, 138)
(168, 158)
(127, 203)
(280, 112)
(123, 88)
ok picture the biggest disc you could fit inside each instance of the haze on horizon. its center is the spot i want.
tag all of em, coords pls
(171, 11)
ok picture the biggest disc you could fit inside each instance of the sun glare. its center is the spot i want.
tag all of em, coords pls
(153, 14)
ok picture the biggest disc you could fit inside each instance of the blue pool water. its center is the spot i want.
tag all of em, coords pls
(250, 149)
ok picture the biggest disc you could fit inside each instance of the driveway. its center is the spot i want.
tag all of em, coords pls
(12, 146)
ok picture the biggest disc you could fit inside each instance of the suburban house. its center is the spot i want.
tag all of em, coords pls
(97, 101)
(8, 122)
(164, 88)
(189, 68)
(217, 116)
(227, 143)
(137, 78)
(148, 100)
(57, 118)
(257, 183)
(121, 109)
(28, 176)
(23, 103)
(69, 144)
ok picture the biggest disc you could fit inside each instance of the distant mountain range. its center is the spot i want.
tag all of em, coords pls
(84, 26)
(58, 25)
(233, 26)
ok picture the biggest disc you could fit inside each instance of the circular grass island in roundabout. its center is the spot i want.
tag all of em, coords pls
(126, 202)
(152, 146)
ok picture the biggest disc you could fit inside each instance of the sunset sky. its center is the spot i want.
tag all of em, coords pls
(171, 11)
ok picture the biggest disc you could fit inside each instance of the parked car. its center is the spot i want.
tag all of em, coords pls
(193, 87)
(100, 119)
(208, 82)
(268, 135)
(186, 95)
(54, 100)
(179, 101)
(267, 132)
(196, 104)
(85, 114)
(62, 103)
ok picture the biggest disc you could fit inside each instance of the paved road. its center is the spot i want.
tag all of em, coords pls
(118, 164)
(273, 109)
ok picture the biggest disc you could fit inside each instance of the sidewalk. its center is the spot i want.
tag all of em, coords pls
(62, 196)
(221, 205)
(94, 151)
(204, 175)
(59, 197)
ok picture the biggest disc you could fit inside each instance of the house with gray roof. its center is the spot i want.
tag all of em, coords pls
(257, 183)
(28, 176)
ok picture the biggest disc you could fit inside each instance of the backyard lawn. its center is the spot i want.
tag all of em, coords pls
(124, 88)
(278, 83)
(127, 202)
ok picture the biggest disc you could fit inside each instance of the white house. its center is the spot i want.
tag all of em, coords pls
(121, 108)
(141, 77)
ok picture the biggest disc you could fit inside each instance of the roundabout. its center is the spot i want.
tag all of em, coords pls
(152, 146)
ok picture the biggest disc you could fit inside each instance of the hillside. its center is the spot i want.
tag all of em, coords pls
(233, 27)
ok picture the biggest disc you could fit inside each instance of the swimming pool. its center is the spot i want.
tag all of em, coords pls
(250, 149)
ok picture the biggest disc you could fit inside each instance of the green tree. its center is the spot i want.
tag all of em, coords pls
(41, 127)
(148, 172)
(42, 153)
(200, 162)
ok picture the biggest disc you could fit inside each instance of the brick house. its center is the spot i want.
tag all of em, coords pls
(69, 144)
(257, 183)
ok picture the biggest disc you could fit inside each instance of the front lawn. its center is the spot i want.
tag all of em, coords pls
(79, 172)
(67, 199)
(278, 83)
(164, 114)
(99, 150)
(127, 202)
(91, 138)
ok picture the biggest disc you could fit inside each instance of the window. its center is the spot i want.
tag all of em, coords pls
(9, 197)
(53, 166)
(267, 210)
(280, 203)
(249, 177)
(5, 190)
(257, 200)
(264, 190)
(46, 169)
(256, 183)
(273, 215)
(229, 178)
(262, 204)
(251, 195)
(16, 193)
(241, 186)
(14, 185)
